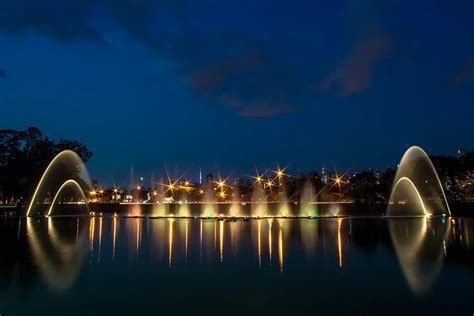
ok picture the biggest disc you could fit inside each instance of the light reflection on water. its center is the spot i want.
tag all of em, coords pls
(316, 258)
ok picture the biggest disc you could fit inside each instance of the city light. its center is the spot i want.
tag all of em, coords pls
(258, 178)
(269, 183)
(280, 173)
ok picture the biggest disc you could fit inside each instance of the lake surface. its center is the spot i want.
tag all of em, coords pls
(128, 266)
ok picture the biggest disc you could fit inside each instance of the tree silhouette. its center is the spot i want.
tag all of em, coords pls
(24, 155)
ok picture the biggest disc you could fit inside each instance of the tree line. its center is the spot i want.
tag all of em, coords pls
(24, 155)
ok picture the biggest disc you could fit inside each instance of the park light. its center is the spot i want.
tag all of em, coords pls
(269, 183)
(258, 178)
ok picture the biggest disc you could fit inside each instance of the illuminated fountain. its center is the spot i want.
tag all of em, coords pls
(417, 189)
(64, 172)
(259, 202)
(283, 207)
(208, 202)
(235, 207)
(183, 209)
(420, 246)
(308, 199)
(70, 191)
(159, 208)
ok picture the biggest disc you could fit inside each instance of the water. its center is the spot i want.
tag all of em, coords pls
(127, 266)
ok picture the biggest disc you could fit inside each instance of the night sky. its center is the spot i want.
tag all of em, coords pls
(227, 85)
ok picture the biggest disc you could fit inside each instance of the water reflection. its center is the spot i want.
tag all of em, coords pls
(170, 241)
(420, 246)
(339, 241)
(57, 255)
(320, 249)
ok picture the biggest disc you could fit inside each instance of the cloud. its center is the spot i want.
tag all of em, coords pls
(222, 67)
(355, 74)
(64, 21)
(254, 74)
(252, 85)
(3, 74)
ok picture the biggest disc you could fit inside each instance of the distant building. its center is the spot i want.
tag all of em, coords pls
(324, 175)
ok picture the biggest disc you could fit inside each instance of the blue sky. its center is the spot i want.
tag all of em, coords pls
(227, 85)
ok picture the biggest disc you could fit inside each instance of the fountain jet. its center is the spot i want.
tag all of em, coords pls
(259, 202)
(69, 184)
(67, 165)
(208, 207)
(417, 189)
(308, 208)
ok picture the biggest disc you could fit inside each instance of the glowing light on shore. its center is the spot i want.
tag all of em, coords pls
(339, 181)
(258, 178)
(280, 173)
(269, 183)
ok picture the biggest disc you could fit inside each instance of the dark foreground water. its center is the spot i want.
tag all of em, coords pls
(130, 266)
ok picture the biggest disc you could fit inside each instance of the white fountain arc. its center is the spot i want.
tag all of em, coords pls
(417, 148)
(413, 186)
(67, 183)
(57, 158)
